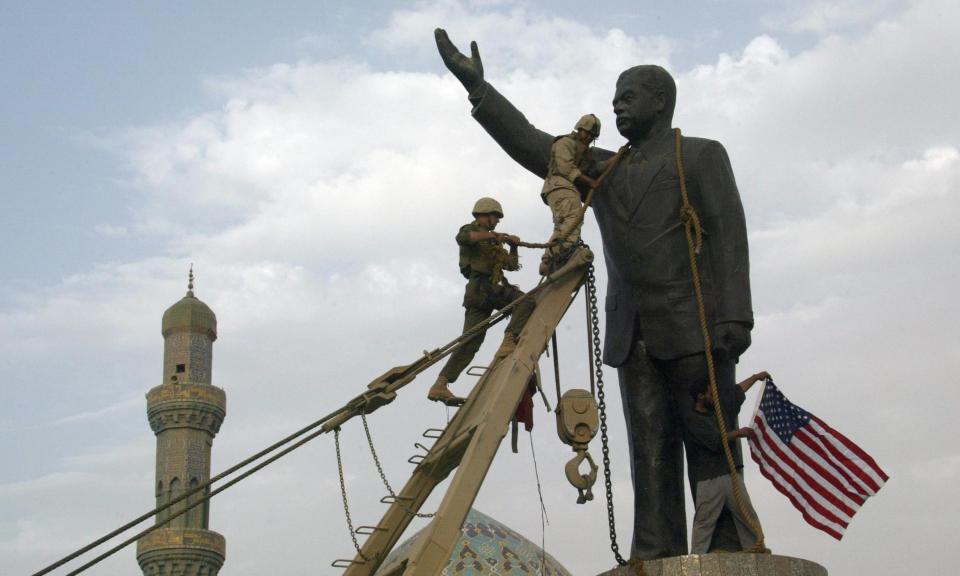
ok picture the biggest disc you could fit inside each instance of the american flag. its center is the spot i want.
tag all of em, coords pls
(825, 475)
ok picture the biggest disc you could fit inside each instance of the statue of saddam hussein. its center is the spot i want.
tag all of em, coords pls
(653, 336)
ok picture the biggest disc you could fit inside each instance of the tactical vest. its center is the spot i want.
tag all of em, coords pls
(486, 257)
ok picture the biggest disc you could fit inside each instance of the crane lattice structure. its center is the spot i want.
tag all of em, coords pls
(468, 445)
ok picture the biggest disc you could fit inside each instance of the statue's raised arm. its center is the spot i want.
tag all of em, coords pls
(527, 145)
(469, 71)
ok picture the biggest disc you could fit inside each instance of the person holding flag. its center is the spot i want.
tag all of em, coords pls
(709, 473)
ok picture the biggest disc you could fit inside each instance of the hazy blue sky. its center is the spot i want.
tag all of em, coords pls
(314, 159)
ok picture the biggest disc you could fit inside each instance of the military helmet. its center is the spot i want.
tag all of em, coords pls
(487, 206)
(590, 123)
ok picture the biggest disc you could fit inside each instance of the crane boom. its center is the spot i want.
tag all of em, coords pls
(468, 444)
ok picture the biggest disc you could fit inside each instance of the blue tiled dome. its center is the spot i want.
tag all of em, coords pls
(487, 547)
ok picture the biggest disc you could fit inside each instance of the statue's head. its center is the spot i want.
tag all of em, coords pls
(645, 98)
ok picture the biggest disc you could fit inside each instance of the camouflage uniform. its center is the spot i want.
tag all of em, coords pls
(569, 158)
(482, 262)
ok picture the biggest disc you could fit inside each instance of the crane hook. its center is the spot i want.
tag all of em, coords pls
(582, 482)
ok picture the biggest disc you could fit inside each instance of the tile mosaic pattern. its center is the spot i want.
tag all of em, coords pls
(488, 547)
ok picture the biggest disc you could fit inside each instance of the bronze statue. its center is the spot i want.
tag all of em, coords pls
(652, 335)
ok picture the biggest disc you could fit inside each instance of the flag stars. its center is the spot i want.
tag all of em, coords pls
(783, 417)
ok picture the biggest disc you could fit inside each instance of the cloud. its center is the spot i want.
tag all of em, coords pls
(47, 516)
(106, 410)
(539, 42)
(111, 230)
(944, 468)
(318, 200)
(822, 17)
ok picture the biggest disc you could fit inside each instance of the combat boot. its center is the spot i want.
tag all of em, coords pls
(546, 262)
(507, 347)
(439, 392)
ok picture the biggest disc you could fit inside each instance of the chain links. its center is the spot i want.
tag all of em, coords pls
(591, 295)
(343, 493)
(383, 476)
(602, 406)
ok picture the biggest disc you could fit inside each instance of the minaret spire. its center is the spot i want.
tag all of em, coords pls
(190, 281)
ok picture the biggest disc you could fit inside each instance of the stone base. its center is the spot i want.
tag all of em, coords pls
(724, 564)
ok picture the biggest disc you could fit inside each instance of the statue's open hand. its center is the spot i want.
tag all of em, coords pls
(469, 71)
(731, 339)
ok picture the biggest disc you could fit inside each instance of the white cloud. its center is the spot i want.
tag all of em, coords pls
(825, 17)
(944, 468)
(538, 42)
(111, 230)
(135, 401)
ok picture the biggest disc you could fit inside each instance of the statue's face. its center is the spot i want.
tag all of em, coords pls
(636, 106)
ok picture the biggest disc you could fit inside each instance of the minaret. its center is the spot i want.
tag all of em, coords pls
(185, 413)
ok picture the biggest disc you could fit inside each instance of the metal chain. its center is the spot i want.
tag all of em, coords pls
(601, 404)
(383, 476)
(343, 492)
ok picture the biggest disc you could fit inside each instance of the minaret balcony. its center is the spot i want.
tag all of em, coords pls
(181, 551)
(199, 406)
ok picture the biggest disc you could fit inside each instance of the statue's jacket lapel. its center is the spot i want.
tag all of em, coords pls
(645, 249)
(640, 172)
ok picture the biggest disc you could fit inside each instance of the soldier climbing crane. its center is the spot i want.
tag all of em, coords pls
(482, 261)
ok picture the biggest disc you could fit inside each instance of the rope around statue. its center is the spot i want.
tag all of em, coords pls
(693, 230)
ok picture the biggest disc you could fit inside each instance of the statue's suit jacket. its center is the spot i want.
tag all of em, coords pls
(650, 291)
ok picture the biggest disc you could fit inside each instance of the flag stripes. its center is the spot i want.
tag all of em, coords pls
(806, 490)
(856, 458)
(823, 473)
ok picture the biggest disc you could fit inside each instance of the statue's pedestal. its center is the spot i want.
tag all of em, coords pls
(724, 564)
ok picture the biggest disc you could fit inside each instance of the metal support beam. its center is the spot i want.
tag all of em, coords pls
(468, 444)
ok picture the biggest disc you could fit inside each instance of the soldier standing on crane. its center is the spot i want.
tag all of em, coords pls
(482, 261)
(570, 162)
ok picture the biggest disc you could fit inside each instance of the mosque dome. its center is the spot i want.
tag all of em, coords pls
(190, 313)
(487, 547)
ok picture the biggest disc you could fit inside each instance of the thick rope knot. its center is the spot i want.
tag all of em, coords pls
(688, 215)
(496, 274)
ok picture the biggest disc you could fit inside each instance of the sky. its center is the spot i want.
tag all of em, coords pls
(313, 162)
